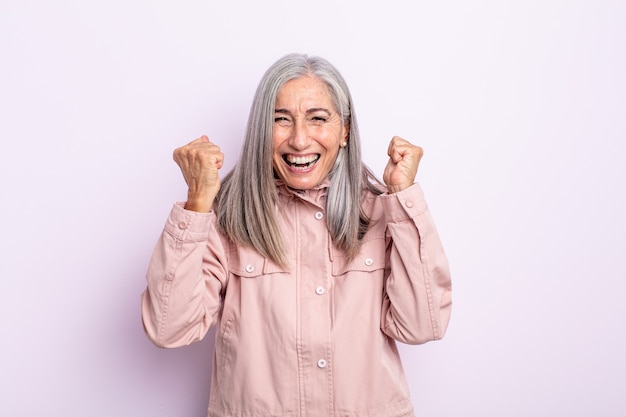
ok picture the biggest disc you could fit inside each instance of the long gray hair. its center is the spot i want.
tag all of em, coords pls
(246, 203)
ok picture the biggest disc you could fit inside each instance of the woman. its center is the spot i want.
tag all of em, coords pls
(309, 266)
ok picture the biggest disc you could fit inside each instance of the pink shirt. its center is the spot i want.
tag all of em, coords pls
(316, 339)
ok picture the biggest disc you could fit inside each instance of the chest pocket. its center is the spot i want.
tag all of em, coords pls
(248, 263)
(371, 258)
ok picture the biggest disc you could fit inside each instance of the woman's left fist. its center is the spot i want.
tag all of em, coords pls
(404, 158)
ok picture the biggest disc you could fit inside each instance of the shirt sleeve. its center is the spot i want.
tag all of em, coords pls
(186, 277)
(417, 298)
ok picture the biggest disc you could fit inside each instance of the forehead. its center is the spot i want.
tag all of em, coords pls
(302, 90)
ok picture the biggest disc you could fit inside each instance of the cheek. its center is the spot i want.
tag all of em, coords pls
(276, 160)
(280, 135)
(276, 152)
(333, 141)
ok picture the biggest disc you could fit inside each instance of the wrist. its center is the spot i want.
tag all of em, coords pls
(199, 203)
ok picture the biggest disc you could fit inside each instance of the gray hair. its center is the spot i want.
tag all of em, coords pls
(246, 203)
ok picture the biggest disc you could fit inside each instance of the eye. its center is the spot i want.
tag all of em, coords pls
(282, 120)
(318, 120)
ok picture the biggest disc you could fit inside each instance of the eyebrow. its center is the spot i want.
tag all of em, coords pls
(309, 111)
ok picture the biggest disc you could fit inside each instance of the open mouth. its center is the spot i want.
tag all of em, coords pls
(301, 162)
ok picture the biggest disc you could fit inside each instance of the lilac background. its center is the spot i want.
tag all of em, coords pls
(521, 110)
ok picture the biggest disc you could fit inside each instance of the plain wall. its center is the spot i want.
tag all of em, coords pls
(519, 106)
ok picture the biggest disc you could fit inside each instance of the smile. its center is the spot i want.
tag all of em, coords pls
(301, 162)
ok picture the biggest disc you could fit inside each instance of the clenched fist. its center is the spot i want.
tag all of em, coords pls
(404, 158)
(200, 161)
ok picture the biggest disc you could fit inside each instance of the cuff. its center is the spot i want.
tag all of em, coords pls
(405, 204)
(189, 225)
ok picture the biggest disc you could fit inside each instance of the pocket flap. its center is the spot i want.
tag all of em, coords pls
(248, 263)
(370, 258)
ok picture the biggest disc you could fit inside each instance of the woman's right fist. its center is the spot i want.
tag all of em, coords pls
(200, 161)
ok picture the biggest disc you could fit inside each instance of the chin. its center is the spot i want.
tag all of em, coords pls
(299, 184)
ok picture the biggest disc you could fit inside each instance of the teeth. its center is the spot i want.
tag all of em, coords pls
(301, 160)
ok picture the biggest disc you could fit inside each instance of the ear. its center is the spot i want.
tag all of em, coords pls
(346, 135)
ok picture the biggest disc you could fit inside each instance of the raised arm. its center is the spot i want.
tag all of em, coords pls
(187, 273)
(417, 299)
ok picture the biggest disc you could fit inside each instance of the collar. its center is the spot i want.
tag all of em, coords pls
(315, 195)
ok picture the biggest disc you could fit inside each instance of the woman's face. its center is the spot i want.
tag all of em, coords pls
(307, 133)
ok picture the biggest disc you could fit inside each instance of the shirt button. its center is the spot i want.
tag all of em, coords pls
(321, 364)
(319, 215)
(182, 225)
(249, 268)
(319, 290)
(369, 261)
(409, 204)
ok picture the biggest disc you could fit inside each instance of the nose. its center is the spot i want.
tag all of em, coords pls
(299, 139)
